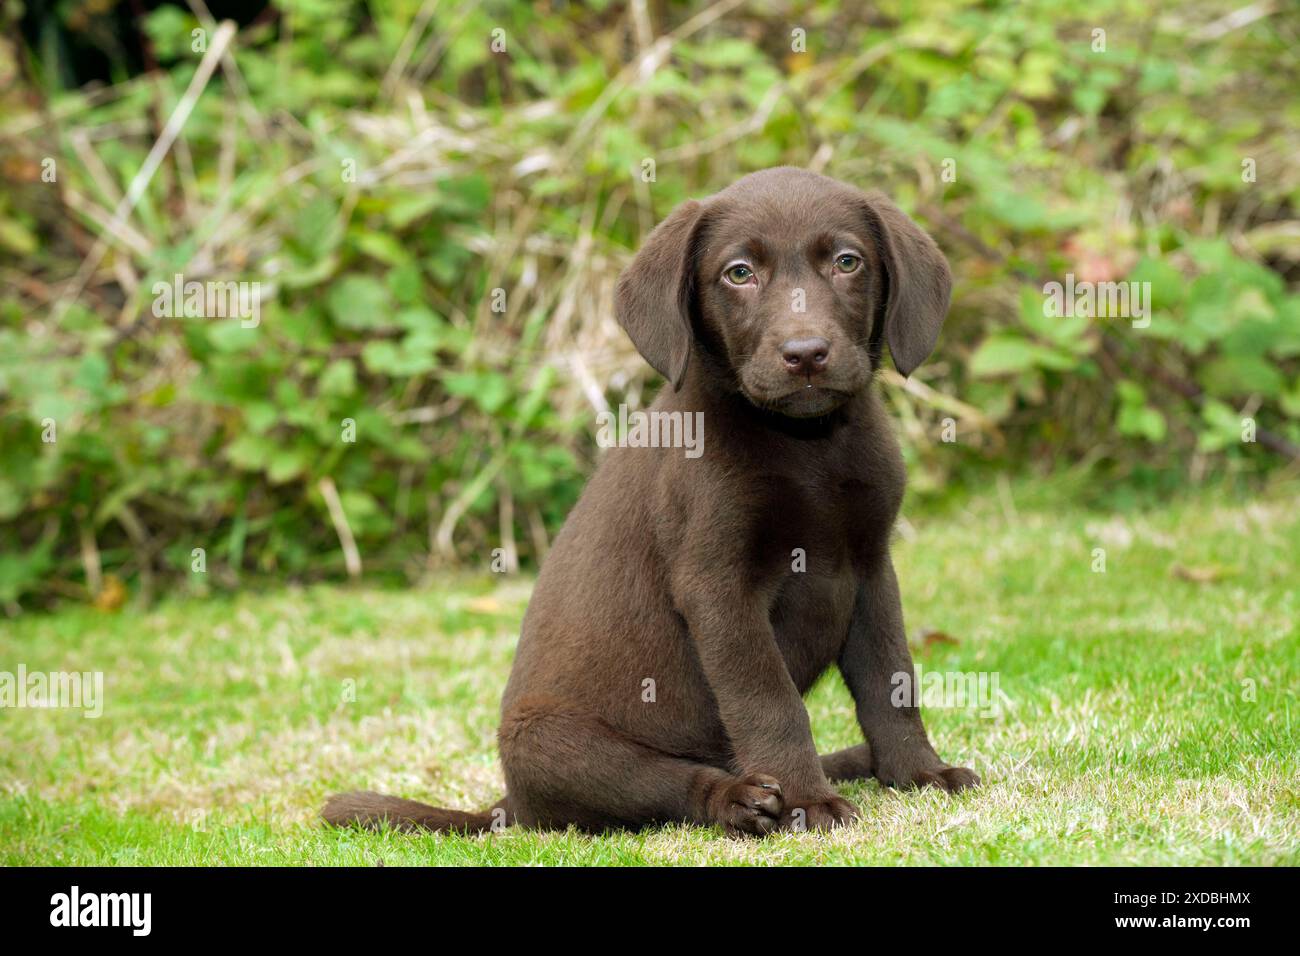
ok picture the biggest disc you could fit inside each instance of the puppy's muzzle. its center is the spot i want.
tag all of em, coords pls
(805, 357)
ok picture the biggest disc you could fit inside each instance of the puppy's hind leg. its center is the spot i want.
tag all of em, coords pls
(851, 763)
(566, 767)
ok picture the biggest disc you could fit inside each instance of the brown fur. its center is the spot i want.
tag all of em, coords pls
(681, 571)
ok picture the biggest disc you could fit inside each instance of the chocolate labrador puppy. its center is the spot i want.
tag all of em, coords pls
(690, 602)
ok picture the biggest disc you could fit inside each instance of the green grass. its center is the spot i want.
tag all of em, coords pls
(1131, 735)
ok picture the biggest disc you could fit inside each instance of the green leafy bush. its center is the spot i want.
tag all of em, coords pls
(437, 223)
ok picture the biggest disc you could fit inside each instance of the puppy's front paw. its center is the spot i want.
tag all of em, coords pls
(951, 779)
(749, 806)
(820, 813)
(924, 770)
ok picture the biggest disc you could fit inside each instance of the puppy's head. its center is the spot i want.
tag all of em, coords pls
(790, 281)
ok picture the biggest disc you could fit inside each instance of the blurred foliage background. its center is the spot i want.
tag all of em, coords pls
(382, 168)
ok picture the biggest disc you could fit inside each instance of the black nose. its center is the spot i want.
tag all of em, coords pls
(805, 356)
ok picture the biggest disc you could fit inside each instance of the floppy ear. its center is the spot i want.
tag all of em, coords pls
(653, 299)
(920, 284)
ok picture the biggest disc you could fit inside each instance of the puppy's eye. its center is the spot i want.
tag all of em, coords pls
(739, 274)
(846, 262)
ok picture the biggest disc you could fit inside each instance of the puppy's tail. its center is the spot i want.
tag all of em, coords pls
(370, 810)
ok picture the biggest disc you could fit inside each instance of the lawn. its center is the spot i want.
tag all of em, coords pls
(1149, 712)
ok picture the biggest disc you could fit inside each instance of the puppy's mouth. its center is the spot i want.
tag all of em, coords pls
(807, 401)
